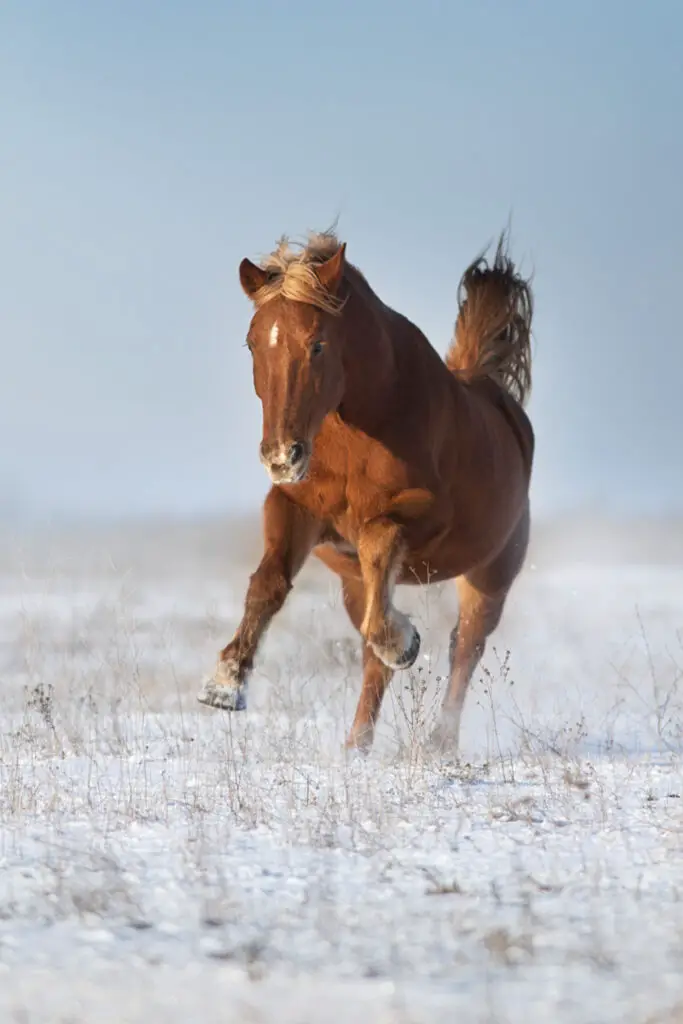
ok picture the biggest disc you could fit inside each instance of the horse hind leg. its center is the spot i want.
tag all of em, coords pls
(376, 675)
(480, 613)
(482, 595)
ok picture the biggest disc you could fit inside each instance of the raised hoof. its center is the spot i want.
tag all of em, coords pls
(403, 659)
(227, 696)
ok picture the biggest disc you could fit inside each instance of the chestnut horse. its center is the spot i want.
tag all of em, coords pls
(387, 462)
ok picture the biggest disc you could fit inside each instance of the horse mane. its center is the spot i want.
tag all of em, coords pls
(291, 270)
(493, 330)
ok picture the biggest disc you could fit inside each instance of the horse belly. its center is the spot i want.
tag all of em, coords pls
(418, 567)
(444, 565)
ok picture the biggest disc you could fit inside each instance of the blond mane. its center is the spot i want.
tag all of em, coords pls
(292, 275)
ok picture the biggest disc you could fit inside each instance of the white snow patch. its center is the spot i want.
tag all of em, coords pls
(160, 862)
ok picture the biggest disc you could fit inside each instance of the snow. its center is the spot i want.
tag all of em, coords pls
(162, 862)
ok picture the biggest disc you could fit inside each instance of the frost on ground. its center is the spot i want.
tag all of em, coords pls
(165, 863)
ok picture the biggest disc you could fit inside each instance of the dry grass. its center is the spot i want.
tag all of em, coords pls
(209, 859)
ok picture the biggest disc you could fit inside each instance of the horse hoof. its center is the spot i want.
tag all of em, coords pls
(226, 698)
(353, 754)
(410, 654)
(398, 660)
(224, 690)
(358, 746)
(445, 738)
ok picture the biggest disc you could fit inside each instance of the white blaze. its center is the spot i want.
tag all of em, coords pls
(273, 335)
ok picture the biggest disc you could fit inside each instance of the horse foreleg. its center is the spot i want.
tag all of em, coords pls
(389, 632)
(289, 535)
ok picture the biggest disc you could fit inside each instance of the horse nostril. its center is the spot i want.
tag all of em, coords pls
(264, 450)
(296, 453)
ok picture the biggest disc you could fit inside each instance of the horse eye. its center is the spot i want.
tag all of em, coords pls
(317, 347)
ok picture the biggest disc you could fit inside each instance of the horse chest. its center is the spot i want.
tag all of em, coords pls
(343, 497)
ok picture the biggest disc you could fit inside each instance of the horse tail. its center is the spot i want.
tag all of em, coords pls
(493, 329)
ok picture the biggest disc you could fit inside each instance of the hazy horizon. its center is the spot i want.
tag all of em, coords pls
(149, 148)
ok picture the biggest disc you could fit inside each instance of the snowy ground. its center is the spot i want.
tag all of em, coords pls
(164, 863)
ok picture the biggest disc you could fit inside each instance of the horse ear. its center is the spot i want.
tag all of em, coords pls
(331, 271)
(252, 278)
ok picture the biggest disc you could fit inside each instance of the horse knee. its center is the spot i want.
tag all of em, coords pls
(268, 587)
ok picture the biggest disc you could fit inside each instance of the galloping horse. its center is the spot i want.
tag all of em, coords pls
(387, 462)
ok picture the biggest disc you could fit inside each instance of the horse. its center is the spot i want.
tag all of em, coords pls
(387, 462)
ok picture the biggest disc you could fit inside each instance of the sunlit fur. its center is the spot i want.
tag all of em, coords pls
(417, 468)
(493, 329)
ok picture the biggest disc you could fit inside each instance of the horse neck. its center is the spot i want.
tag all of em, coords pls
(370, 368)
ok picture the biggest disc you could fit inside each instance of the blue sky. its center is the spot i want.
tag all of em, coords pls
(148, 146)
